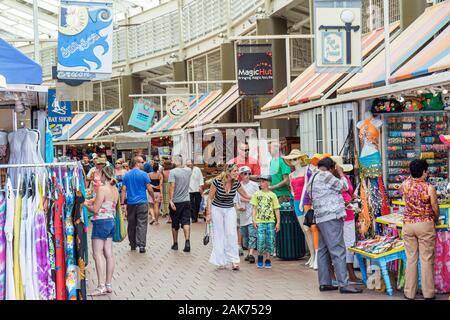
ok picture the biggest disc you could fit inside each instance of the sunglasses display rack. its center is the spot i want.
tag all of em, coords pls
(412, 136)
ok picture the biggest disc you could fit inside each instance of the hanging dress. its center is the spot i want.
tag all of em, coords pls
(85, 218)
(44, 275)
(29, 221)
(61, 293)
(16, 247)
(49, 207)
(81, 244)
(23, 239)
(2, 246)
(69, 232)
(10, 291)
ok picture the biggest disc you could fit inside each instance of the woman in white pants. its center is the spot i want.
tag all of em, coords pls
(221, 211)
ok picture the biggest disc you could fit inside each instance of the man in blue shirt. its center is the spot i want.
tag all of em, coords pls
(147, 166)
(135, 184)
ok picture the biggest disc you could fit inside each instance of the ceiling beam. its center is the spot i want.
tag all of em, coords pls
(17, 32)
(29, 9)
(22, 21)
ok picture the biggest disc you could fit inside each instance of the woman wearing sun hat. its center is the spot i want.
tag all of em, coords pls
(298, 180)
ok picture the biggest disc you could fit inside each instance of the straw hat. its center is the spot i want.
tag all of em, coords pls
(317, 157)
(295, 154)
(340, 162)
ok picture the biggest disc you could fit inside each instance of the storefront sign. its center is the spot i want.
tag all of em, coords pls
(338, 36)
(85, 40)
(255, 74)
(59, 112)
(56, 130)
(177, 103)
(142, 115)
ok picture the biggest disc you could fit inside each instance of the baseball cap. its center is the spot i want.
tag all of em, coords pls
(244, 169)
(265, 177)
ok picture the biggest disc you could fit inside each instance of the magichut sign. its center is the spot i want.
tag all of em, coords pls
(85, 40)
(338, 36)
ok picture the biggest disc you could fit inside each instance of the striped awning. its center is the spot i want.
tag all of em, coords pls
(406, 45)
(217, 109)
(86, 126)
(433, 58)
(311, 85)
(196, 105)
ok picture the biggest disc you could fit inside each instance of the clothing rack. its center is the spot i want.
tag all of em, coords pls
(28, 165)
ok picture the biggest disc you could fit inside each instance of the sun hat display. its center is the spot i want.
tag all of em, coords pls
(317, 157)
(295, 154)
(340, 162)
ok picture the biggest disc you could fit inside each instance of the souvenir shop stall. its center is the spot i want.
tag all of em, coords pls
(401, 128)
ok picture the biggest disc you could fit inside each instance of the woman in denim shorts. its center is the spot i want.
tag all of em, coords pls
(104, 209)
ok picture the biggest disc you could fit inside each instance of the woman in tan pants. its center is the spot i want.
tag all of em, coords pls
(421, 213)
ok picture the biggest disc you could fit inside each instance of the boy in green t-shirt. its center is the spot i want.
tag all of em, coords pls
(266, 220)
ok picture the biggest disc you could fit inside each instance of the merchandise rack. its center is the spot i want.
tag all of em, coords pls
(414, 135)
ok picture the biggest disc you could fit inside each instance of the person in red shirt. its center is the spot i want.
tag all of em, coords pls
(243, 159)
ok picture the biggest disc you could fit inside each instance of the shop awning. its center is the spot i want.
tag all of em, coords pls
(168, 124)
(217, 109)
(434, 57)
(311, 85)
(86, 126)
(408, 43)
(16, 67)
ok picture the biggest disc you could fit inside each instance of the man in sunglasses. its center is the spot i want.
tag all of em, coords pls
(243, 159)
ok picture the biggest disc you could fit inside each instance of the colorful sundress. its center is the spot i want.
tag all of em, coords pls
(69, 232)
(16, 248)
(10, 291)
(61, 293)
(2, 246)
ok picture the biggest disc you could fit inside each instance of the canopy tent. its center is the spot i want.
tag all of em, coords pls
(17, 68)
(168, 125)
(214, 111)
(87, 126)
(434, 57)
(311, 85)
(405, 46)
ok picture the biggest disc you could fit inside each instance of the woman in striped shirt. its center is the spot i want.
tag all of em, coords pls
(221, 211)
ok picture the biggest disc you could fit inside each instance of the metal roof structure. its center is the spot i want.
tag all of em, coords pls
(16, 16)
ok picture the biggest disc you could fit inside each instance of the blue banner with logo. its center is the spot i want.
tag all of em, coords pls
(142, 115)
(85, 40)
(59, 112)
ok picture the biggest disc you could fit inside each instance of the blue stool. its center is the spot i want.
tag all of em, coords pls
(380, 260)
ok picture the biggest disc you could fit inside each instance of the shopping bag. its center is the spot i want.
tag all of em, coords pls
(120, 232)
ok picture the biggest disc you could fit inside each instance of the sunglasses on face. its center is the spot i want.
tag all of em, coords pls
(246, 173)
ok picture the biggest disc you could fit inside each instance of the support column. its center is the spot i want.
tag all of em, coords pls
(129, 85)
(410, 10)
(227, 57)
(179, 72)
(273, 26)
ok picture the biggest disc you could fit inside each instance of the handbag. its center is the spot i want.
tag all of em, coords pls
(206, 237)
(120, 231)
(310, 219)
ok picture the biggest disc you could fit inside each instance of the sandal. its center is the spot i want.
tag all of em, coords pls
(235, 267)
(109, 287)
(99, 291)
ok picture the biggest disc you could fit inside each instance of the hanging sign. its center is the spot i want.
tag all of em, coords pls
(142, 115)
(338, 36)
(85, 40)
(59, 112)
(56, 130)
(177, 103)
(255, 74)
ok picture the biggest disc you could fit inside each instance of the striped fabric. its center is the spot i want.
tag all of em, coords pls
(421, 31)
(434, 57)
(311, 85)
(99, 123)
(217, 109)
(86, 126)
(77, 123)
(169, 124)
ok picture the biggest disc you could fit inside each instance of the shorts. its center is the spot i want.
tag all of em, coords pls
(248, 236)
(349, 239)
(298, 212)
(103, 229)
(266, 238)
(182, 216)
(157, 197)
